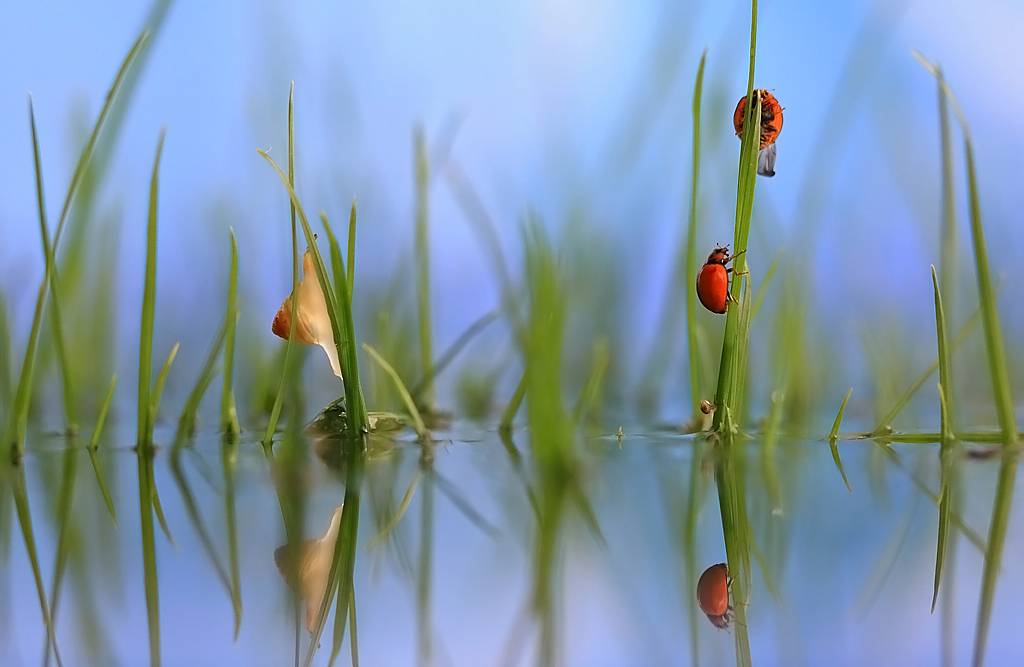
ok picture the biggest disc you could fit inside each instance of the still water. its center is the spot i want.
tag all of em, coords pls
(838, 577)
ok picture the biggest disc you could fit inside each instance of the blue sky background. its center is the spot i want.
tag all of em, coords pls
(575, 110)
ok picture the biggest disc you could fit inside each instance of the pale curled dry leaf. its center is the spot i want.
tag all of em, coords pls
(313, 325)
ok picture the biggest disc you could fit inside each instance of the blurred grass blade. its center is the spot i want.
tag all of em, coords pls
(683, 277)
(509, 415)
(422, 254)
(56, 321)
(449, 355)
(833, 439)
(145, 417)
(25, 520)
(228, 414)
(403, 393)
(762, 291)
(275, 412)
(884, 424)
(94, 444)
(998, 370)
(229, 459)
(946, 452)
(590, 395)
(158, 387)
(187, 420)
(691, 248)
(998, 363)
(382, 535)
(198, 525)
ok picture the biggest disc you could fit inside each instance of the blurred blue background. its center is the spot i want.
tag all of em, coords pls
(578, 111)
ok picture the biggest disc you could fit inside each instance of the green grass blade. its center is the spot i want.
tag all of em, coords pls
(94, 444)
(6, 392)
(730, 389)
(591, 392)
(25, 520)
(453, 350)
(998, 364)
(691, 248)
(339, 579)
(1000, 386)
(19, 413)
(356, 407)
(946, 452)
(353, 635)
(67, 531)
(56, 322)
(383, 533)
(229, 459)
(275, 412)
(195, 517)
(403, 393)
(353, 389)
(352, 252)
(149, 554)
(145, 427)
(228, 414)
(945, 497)
(884, 424)
(424, 580)
(948, 245)
(993, 555)
(187, 420)
(85, 156)
(158, 386)
(509, 415)
(422, 254)
(833, 440)
(762, 291)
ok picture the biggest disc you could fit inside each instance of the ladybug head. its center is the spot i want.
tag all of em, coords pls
(719, 255)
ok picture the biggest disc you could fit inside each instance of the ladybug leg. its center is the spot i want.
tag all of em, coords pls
(729, 259)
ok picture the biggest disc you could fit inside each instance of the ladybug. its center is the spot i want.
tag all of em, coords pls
(771, 126)
(713, 595)
(713, 280)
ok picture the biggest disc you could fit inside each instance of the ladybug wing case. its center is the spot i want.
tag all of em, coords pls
(766, 161)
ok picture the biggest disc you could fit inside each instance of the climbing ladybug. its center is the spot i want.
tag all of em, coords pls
(713, 594)
(713, 280)
(771, 125)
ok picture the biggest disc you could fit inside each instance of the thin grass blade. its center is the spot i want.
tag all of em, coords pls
(145, 417)
(833, 440)
(94, 444)
(158, 387)
(187, 420)
(275, 412)
(403, 393)
(228, 414)
(25, 520)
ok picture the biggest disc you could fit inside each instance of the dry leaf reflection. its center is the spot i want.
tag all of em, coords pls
(312, 566)
(313, 326)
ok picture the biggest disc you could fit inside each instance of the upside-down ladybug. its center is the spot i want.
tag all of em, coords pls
(771, 125)
(713, 280)
(713, 594)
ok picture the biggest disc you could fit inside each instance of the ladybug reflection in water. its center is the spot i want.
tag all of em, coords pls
(713, 594)
(713, 280)
(771, 125)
